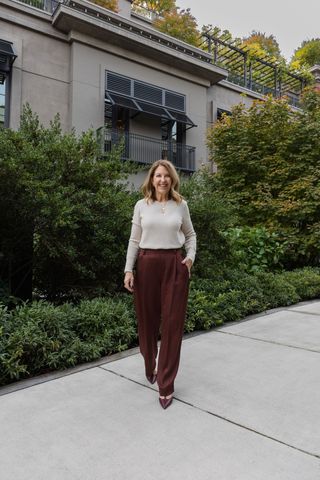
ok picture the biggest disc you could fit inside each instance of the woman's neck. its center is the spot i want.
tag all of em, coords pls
(162, 198)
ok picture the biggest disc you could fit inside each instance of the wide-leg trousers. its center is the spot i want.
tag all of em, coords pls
(160, 294)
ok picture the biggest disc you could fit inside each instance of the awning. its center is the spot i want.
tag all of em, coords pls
(181, 118)
(138, 106)
(122, 101)
(7, 57)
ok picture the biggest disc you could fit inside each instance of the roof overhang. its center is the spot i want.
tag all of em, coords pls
(145, 41)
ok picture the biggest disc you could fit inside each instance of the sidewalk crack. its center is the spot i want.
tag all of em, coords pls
(315, 455)
(273, 342)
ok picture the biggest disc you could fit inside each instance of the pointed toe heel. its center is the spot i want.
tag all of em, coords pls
(165, 402)
(152, 378)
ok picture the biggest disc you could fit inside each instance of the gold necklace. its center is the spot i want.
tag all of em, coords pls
(163, 207)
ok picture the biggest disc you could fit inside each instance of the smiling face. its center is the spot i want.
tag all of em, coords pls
(162, 183)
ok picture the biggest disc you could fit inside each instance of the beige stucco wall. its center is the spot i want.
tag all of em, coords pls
(40, 74)
(65, 74)
(87, 92)
(225, 96)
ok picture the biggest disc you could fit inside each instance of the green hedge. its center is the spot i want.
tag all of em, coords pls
(41, 337)
(238, 294)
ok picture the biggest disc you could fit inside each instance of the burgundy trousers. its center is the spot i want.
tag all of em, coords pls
(160, 293)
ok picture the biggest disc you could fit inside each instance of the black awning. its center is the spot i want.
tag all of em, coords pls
(139, 106)
(122, 101)
(181, 118)
(154, 110)
(7, 57)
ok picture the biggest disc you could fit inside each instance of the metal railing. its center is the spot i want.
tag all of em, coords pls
(146, 150)
(51, 5)
(292, 98)
(144, 12)
(45, 5)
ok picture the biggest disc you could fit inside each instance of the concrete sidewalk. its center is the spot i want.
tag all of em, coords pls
(246, 407)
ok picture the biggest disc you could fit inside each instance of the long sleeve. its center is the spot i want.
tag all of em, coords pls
(153, 228)
(134, 240)
(189, 233)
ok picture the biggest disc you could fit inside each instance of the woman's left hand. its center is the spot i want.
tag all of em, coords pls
(188, 262)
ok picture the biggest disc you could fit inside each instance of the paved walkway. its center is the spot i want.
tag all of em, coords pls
(246, 407)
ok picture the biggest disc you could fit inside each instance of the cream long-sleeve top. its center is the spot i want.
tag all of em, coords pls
(159, 226)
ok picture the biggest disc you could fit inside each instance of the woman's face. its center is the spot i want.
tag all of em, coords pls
(161, 181)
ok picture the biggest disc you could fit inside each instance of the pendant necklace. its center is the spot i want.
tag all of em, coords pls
(163, 207)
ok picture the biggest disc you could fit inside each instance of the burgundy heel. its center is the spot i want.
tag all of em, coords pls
(152, 378)
(165, 402)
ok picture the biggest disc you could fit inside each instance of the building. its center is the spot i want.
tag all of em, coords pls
(115, 73)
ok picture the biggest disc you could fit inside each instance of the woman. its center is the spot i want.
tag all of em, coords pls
(161, 225)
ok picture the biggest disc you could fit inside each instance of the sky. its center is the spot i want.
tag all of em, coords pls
(290, 22)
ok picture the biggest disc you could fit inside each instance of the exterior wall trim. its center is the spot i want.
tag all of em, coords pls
(124, 35)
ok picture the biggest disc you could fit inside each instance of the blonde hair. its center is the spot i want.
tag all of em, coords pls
(148, 189)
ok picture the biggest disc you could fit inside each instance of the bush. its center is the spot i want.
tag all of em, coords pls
(268, 159)
(257, 248)
(211, 214)
(40, 337)
(306, 282)
(277, 291)
(214, 302)
(64, 212)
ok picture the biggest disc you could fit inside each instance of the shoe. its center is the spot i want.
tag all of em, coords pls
(152, 378)
(165, 402)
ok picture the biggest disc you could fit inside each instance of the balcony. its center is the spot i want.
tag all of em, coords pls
(292, 98)
(146, 150)
(45, 5)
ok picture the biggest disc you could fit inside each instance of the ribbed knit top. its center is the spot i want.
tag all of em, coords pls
(160, 226)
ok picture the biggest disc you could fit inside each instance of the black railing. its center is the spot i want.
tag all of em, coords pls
(45, 5)
(292, 98)
(146, 150)
(211, 58)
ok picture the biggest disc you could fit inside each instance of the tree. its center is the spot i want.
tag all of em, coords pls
(64, 216)
(109, 4)
(179, 24)
(211, 214)
(268, 161)
(157, 6)
(260, 45)
(307, 55)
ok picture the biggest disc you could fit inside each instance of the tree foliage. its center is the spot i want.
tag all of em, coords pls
(268, 161)
(109, 4)
(211, 214)
(157, 6)
(180, 24)
(308, 54)
(57, 191)
(261, 45)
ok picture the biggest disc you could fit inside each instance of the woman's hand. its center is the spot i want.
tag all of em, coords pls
(128, 281)
(188, 262)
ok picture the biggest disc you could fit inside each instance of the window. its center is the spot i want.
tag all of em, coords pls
(221, 112)
(7, 58)
(2, 103)
(130, 87)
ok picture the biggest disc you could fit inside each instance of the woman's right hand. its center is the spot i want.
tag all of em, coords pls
(128, 281)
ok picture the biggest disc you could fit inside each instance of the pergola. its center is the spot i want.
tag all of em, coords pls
(254, 72)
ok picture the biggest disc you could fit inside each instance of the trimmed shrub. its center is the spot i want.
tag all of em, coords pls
(214, 302)
(39, 337)
(305, 281)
